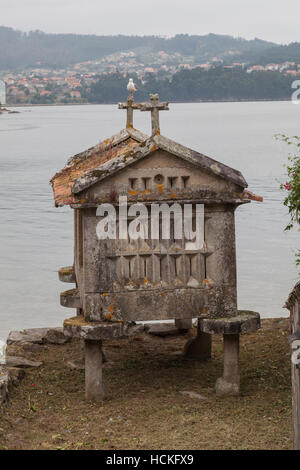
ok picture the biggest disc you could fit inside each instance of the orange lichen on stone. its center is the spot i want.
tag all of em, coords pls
(160, 188)
(133, 192)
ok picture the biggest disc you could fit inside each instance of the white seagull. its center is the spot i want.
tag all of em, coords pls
(131, 87)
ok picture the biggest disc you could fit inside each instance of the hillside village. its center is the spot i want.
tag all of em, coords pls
(40, 85)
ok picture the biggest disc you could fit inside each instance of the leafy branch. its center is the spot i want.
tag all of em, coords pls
(292, 184)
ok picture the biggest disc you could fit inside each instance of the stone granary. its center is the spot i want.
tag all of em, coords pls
(122, 281)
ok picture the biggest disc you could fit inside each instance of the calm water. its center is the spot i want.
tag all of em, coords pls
(36, 238)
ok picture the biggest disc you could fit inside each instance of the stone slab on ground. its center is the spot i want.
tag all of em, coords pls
(16, 361)
(37, 336)
(164, 329)
(246, 321)
(21, 349)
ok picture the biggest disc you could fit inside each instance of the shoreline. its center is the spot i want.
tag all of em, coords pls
(29, 105)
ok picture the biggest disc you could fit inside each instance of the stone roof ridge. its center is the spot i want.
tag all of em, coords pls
(146, 147)
(205, 162)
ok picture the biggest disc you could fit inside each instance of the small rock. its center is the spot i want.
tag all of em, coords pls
(193, 395)
(8, 376)
(14, 361)
(15, 375)
(4, 382)
(56, 336)
(76, 365)
(32, 335)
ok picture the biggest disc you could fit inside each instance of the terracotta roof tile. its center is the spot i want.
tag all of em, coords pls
(77, 166)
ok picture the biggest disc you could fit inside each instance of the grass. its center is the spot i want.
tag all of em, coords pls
(143, 408)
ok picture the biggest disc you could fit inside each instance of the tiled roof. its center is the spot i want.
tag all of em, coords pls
(82, 163)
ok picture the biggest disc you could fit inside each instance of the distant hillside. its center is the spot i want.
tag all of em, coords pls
(275, 54)
(19, 50)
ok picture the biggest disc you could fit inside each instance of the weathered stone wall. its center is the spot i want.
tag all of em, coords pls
(160, 279)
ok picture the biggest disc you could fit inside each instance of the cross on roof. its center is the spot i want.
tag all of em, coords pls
(129, 106)
(154, 106)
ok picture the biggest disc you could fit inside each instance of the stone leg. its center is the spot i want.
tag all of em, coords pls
(94, 389)
(185, 324)
(199, 347)
(82, 353)
(229, 384)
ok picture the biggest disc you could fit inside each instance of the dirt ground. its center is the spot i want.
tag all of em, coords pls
(144, 409)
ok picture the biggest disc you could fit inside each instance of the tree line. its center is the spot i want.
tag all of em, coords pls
(219, 84)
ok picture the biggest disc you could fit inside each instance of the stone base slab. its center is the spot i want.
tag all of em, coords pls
(77, 327)
(245, 322)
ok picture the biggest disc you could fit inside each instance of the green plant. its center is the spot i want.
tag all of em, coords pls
(292, 185)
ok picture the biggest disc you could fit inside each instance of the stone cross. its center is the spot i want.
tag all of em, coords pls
(154, 106)
(129, 106)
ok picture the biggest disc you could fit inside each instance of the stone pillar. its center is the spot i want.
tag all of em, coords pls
(94, 389)
(184, 324)
(229, 384)
(198, 348)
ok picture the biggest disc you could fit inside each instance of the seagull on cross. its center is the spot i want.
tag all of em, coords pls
(131, 87)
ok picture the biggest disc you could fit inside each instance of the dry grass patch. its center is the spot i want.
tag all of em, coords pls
(144, 409)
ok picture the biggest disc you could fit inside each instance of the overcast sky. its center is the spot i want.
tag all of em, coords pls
(273, 20)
